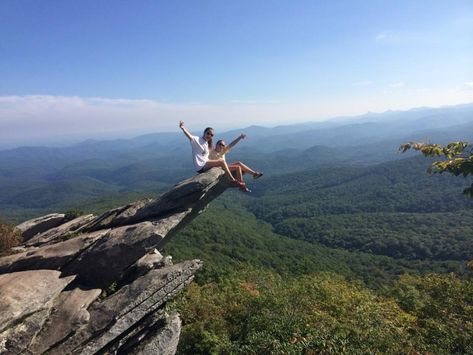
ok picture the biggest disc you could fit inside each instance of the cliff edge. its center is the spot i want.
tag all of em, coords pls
(52, 296)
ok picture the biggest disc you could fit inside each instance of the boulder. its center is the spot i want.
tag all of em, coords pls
(38, 225)
(26, 292)
(16, 339)
(148, 262)
(163, 340)
(69, 312)
(63, 231)
(26, 299)
(125, 311)
(106, 260)
(53, 256)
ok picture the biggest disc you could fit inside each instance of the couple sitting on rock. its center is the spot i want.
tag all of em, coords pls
(206, 157)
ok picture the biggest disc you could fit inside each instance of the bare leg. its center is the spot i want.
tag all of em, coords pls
(243, 167)
(238, 172)
(221, 164)
(239, 176)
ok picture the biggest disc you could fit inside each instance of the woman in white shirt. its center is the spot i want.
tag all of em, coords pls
(201, 147)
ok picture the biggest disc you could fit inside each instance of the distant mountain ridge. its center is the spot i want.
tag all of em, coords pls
(156, 160)
(417, 118)
(424, 123)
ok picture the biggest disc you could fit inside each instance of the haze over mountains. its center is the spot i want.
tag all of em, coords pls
(418, 123)
(39, 177)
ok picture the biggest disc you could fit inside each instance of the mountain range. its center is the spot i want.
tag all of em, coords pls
(43, 177)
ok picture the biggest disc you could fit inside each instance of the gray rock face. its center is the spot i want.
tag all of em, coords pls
(64, 230)
(27, 292)
(38, 225)
(51, 294)
(146, 263)
(106, 260)
(165, 340)
(54, 256)
(68, 313)
(25, 302)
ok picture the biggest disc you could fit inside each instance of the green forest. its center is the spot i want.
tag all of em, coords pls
(329, 259)
(264, 292)
(256, 311)
(334, 260)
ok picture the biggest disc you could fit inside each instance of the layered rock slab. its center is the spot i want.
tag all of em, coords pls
(60, 232)
(120, 315)
(25, 293)
(107, 260)
(39, 225)
(115, 251)
(53, 256)
(69, 312)
(26, 299)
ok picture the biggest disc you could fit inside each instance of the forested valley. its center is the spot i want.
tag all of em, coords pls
(349, 249)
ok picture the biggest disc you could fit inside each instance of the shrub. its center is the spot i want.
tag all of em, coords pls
(72, 214)
(441, 305)
(9, 237)
(258, 312)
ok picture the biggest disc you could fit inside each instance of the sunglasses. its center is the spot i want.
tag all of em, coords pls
(209, 134)
(221, 144)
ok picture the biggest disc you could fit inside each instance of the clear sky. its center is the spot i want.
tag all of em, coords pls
(90, 67)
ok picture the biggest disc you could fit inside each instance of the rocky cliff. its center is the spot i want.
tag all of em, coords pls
(99, 284)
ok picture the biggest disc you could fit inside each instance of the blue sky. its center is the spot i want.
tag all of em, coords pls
(79, 67)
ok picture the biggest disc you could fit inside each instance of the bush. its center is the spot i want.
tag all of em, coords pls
(9, 237)
(258, 312)
(441, 305)
(72, 214)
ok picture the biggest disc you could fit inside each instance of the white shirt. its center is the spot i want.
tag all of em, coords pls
(200, 152)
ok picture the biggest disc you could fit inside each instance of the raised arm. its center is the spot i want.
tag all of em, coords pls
(236, 140)
(184, 129)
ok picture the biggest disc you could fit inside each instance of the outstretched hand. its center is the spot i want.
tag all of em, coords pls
(184, 130)
(242, 136)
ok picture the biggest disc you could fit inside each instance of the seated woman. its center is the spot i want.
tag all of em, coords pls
(201, 147)
(237, 167)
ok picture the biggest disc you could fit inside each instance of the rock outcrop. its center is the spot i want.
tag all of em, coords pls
(99, 284)
(37, 225)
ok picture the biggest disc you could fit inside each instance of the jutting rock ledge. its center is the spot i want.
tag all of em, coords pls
(50, 290)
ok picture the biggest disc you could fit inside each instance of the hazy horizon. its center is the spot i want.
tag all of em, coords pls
(70, 139)
(100, 69)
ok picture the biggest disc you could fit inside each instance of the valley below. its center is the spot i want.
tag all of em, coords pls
(343, 245)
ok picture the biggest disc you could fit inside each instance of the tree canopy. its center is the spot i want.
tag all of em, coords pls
(458, 158)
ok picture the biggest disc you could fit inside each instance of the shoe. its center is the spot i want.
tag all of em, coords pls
(257, 175)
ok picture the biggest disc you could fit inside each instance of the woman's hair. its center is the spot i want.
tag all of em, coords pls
(210, 142)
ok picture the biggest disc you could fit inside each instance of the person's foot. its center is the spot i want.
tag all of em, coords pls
(257, 175)
(240, 185)
(244, 188)
(234, 183)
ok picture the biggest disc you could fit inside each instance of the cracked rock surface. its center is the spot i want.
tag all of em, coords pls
(51, 293)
